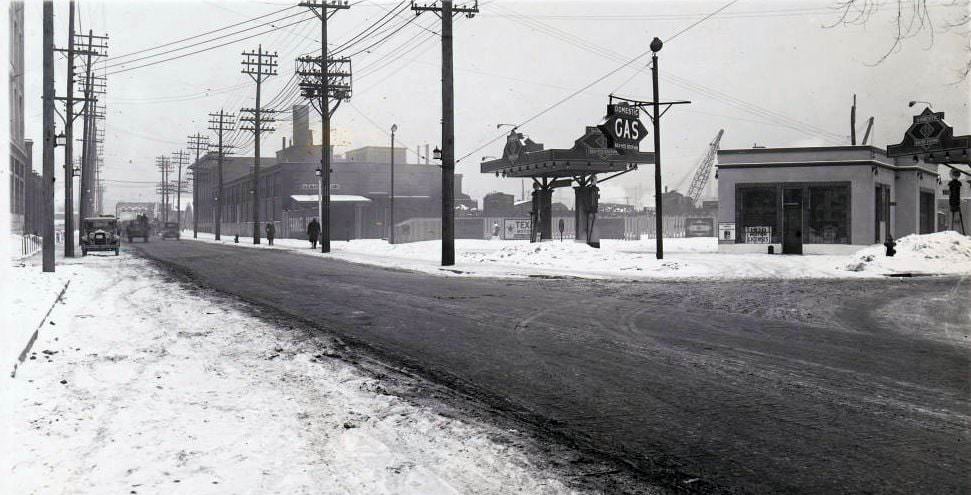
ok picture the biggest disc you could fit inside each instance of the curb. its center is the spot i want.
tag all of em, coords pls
(33, 337)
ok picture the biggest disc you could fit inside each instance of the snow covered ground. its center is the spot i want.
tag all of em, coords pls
(140, 384)
(940, 253)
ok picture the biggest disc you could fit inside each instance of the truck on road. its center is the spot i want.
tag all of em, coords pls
(139, 227)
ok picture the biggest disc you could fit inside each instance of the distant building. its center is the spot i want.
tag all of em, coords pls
(497, 204)
(125, 210)
(289, 188)
(20, 162)
(822, 197)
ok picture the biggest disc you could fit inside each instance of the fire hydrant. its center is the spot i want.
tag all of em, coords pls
(890, 244)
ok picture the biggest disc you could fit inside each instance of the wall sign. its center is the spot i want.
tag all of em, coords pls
(726, 232)
(516, 228)
(699, 227)
(761, 234)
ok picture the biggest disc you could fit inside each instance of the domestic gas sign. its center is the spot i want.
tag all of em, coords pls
(623, 129)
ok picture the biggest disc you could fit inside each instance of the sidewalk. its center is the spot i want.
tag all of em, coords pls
(691, 258)
(145, 385)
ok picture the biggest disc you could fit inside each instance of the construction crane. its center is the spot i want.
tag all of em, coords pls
(703, 171)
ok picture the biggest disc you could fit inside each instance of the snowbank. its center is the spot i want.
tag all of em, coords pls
(941, 253)
(28, 293)
(146, 386)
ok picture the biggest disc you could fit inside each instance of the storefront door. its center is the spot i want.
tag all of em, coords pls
(881, 213)
(792, 221)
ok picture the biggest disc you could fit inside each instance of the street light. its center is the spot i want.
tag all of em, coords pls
(394, 129)
(914, 102)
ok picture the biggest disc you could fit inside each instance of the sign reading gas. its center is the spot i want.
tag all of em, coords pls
(623, 129)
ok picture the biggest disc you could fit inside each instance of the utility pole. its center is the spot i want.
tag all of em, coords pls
(197, 143)
(49, 138)
(165, 167)
(394, 128)
(221, 123)
(853, 122)
(324, 78)
(446, 10)
(259, 65)
(69, 142)
(92, 85)
(182, 159)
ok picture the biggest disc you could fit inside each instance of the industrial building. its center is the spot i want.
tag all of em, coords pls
(290, 184)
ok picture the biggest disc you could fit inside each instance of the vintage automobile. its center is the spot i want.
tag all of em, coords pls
(170, 230)
(100, 234)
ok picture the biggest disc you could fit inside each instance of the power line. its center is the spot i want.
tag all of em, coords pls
(170, 43)
(593, 83)
(212, 47)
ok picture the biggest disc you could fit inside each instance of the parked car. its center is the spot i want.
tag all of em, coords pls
(100, 234)
(170, 230)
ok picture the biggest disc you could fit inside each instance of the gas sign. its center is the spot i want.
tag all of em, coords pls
(623, 129)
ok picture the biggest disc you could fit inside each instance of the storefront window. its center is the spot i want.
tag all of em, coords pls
(758, 213)
(827, 221)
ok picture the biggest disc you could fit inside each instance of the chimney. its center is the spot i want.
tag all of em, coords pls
(301, 126)
(284, 143)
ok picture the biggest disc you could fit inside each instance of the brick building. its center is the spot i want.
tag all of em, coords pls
(289, 188)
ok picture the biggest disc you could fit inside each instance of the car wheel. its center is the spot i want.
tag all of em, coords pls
(84, 252)
(116, 251)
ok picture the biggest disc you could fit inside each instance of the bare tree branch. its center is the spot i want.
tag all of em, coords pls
(913, 17)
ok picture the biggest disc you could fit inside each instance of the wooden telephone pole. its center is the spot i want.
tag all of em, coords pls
(181, 159)
(221, 123)
(197, 143)
(446, 11)
(259, 65)
(324, 78)
(49, 138)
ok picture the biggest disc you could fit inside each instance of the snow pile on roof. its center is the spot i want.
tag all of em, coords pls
(942, 252)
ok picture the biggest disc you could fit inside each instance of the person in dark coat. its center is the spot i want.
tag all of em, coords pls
(270, 232)
(313, 233)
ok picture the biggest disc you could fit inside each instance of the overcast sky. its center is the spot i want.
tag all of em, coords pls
(769, 73)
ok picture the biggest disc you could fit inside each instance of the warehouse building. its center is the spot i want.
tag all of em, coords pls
(289, 188)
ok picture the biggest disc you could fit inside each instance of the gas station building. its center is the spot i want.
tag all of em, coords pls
(830, 199)
(821, 199)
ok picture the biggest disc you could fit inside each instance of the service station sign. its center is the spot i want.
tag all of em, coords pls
(623, 128)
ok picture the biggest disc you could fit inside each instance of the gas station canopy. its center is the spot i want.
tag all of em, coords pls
(590, 154)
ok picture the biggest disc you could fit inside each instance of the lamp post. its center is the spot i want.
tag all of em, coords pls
(394, 129)
(914, 102)
(656, 45)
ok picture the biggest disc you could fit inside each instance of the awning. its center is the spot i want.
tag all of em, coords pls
(334, 198)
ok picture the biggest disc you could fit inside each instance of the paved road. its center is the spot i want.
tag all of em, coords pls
(812, 387)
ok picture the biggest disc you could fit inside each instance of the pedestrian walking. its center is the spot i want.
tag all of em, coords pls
(954, 201)
(313, 233)
(270, 232)
(495, 230)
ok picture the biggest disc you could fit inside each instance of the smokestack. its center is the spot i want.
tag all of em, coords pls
(284, 143)
(301, 126)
